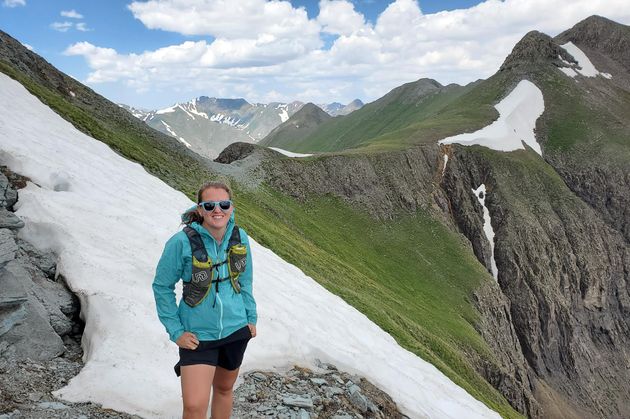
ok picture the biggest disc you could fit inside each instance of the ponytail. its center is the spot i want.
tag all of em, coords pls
(192, 216)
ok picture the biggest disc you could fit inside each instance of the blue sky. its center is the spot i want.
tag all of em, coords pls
(337, 51)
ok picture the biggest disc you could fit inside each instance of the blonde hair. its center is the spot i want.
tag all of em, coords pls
(192, 215)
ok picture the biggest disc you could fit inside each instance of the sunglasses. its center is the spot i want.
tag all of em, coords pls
(209, 205)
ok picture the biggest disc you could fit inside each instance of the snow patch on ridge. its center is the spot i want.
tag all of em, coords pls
(518, 113)
(166, 110)
(480, 193)
(445, 161)
(187, 113)
(284, 115)
(224, 119)
(98, 226)
(568, 71)
(170, 131)
(586, 67)
(192, 107)
(289, 153)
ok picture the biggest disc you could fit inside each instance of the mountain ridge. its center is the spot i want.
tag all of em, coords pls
(359, 127)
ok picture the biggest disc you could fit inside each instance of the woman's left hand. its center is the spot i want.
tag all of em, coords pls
(252, 329)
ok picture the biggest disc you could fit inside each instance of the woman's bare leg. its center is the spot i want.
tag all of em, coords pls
(222, 394)
(196, 383)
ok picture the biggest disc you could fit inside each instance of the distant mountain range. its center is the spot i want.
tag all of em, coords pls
(338, 109)
(207, 125)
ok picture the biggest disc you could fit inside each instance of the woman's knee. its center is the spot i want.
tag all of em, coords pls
(224, 380)
(223, 388)
(195, 409)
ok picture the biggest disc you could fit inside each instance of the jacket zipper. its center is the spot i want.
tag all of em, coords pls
(220, 316)
(217, 295)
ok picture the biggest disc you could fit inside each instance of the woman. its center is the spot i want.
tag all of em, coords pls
(216, 316)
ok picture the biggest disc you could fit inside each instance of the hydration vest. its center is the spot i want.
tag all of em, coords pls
(203, 269)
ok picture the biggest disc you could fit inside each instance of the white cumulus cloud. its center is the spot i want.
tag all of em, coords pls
(226, 19)
(62, 26)
(72, 14)
(261, 49)
(82, 27)
(339, 17)
(14, 3)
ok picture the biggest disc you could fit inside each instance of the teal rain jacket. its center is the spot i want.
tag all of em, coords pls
(219, 314)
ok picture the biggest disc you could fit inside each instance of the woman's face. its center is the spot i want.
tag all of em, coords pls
(217, 218)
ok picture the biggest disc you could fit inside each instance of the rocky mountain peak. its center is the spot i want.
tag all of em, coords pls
(310, 113)
(410, 93)
(534, 49)
(232, 104)
(423, 86)
(593, 30)
(603, 35)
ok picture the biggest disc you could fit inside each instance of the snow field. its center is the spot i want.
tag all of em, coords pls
(289, 153)
(480, 194)
(585, 66)
(518, 113)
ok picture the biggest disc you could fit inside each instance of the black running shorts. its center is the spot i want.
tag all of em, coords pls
(225, 353)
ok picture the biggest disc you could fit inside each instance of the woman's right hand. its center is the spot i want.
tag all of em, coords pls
(187, 341)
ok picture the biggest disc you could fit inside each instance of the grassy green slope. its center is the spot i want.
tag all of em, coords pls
(591, 129)
(413, 277)
(388, 114)
(468, 112)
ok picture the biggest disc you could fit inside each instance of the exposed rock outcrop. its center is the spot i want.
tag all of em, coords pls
(35, 309)
(40, 328)
(565, 273)
(534, 50)
(601, 34)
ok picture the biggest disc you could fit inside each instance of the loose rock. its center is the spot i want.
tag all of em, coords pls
(319, 395)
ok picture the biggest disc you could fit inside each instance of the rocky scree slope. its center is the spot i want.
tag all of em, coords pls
(597, 171)
(582, 335)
